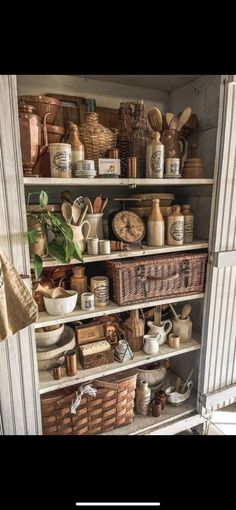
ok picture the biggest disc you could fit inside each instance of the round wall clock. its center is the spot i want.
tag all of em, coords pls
(128, 227)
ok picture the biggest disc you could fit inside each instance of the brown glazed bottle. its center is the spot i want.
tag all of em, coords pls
(79, 280)
(77, 148)
(155, 226)
(134, 330)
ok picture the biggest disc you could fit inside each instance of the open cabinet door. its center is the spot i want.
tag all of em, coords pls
(217, 381)
(19, 396)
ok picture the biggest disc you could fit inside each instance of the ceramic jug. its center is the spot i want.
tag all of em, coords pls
(96, 222)
(162, 330)
(151, 343)
(174, 144)
(78, 234)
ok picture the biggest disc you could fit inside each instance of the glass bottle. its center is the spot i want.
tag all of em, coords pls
(139, 138)
(175, 227)
(188, 223)
(155, 226)
(134, 330)
(77, 148)
(155, 157)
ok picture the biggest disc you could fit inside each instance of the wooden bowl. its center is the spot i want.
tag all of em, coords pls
(43, 105)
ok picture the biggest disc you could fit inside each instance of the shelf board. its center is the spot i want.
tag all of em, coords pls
(57, 181)
(143, 425)
(45, 319)
(47, 383)
(138, 252)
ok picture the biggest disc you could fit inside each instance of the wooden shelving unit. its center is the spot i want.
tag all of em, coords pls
(55, 181)
(47, 383)
(77, 315)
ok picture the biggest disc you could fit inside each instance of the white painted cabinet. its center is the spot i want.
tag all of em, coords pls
(213, 351)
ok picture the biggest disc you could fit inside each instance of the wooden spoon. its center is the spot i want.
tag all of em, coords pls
(186, 311)
(184, 118)
(174, 123)
(66, 210)
(83, 214)
(186, 382)
(89, 204)
(155, 119)
(44, 291)
(76, 212)
(157, 315)
(104, 203)
(174, 312)
(97, 205)
(67, 197)
(169, 117)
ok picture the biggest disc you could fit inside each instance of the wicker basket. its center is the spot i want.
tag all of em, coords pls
(96, 138)
(112, 407)
(147, 278)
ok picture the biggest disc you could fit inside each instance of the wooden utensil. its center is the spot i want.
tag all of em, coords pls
(184, 118)
(155, 119)
(174, 312)
(157, 315)
(97, 205)
(83, 214)
(66, 210)
(174, 123)
(177, 384)
(182, 390)
(169, 117)
(59, 292)
(88, 202)
(186, 311)
(67, 197)
(104, 203)
(76, 212)
(44, 291)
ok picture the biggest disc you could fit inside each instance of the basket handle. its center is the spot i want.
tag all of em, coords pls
(169, 278)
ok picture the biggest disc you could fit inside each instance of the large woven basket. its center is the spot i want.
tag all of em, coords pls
(96, 138)
(147, 278)
(112, 407)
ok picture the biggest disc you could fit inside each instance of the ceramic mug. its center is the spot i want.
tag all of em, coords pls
(104, 247)
(87, 301)
(92, 245)
(174, 341)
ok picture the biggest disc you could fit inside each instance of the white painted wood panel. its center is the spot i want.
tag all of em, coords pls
(19, 397)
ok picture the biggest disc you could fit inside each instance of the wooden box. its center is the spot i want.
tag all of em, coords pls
(92, 332)
(103, 355)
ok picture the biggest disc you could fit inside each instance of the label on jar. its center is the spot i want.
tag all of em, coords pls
(101, 293)
(188, 229)
(177, 230)
(157, 163)
(60, 163)
(173, 168)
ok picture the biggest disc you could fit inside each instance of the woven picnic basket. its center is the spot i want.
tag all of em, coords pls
(160, 276)
(112, 407)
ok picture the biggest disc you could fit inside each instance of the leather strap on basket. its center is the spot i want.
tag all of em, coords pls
(186, 272)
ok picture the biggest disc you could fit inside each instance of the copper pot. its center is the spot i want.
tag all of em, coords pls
(43, 105)
(32, 145)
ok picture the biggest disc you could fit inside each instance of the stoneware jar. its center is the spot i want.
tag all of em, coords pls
(142, 398)
(100, 288)
(183, 328)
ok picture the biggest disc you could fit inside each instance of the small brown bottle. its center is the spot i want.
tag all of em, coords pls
(188, 223)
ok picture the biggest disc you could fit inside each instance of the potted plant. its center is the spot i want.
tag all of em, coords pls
(49, 234)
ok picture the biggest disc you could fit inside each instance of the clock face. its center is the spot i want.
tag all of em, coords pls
(128, 227)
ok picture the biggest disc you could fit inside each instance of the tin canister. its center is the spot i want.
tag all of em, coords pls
(60, 159)
(172, 168)
(86, 165)
(100, 287)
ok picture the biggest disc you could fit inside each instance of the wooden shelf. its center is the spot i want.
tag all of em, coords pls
(55, 181)
(144, 425)
(47, 383)
(45, 319)
(138, 252)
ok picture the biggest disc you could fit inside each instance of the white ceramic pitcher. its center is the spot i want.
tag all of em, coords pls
(162, 330)
(151, 344)
(79, 236)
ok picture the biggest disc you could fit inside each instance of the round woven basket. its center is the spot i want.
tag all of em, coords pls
(96, 138)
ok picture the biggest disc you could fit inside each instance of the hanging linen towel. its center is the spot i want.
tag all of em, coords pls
(17, 306)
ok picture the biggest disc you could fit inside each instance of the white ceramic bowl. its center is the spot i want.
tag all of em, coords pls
(49, 357)
(61, 306)
(48, 338)
(153, 376)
